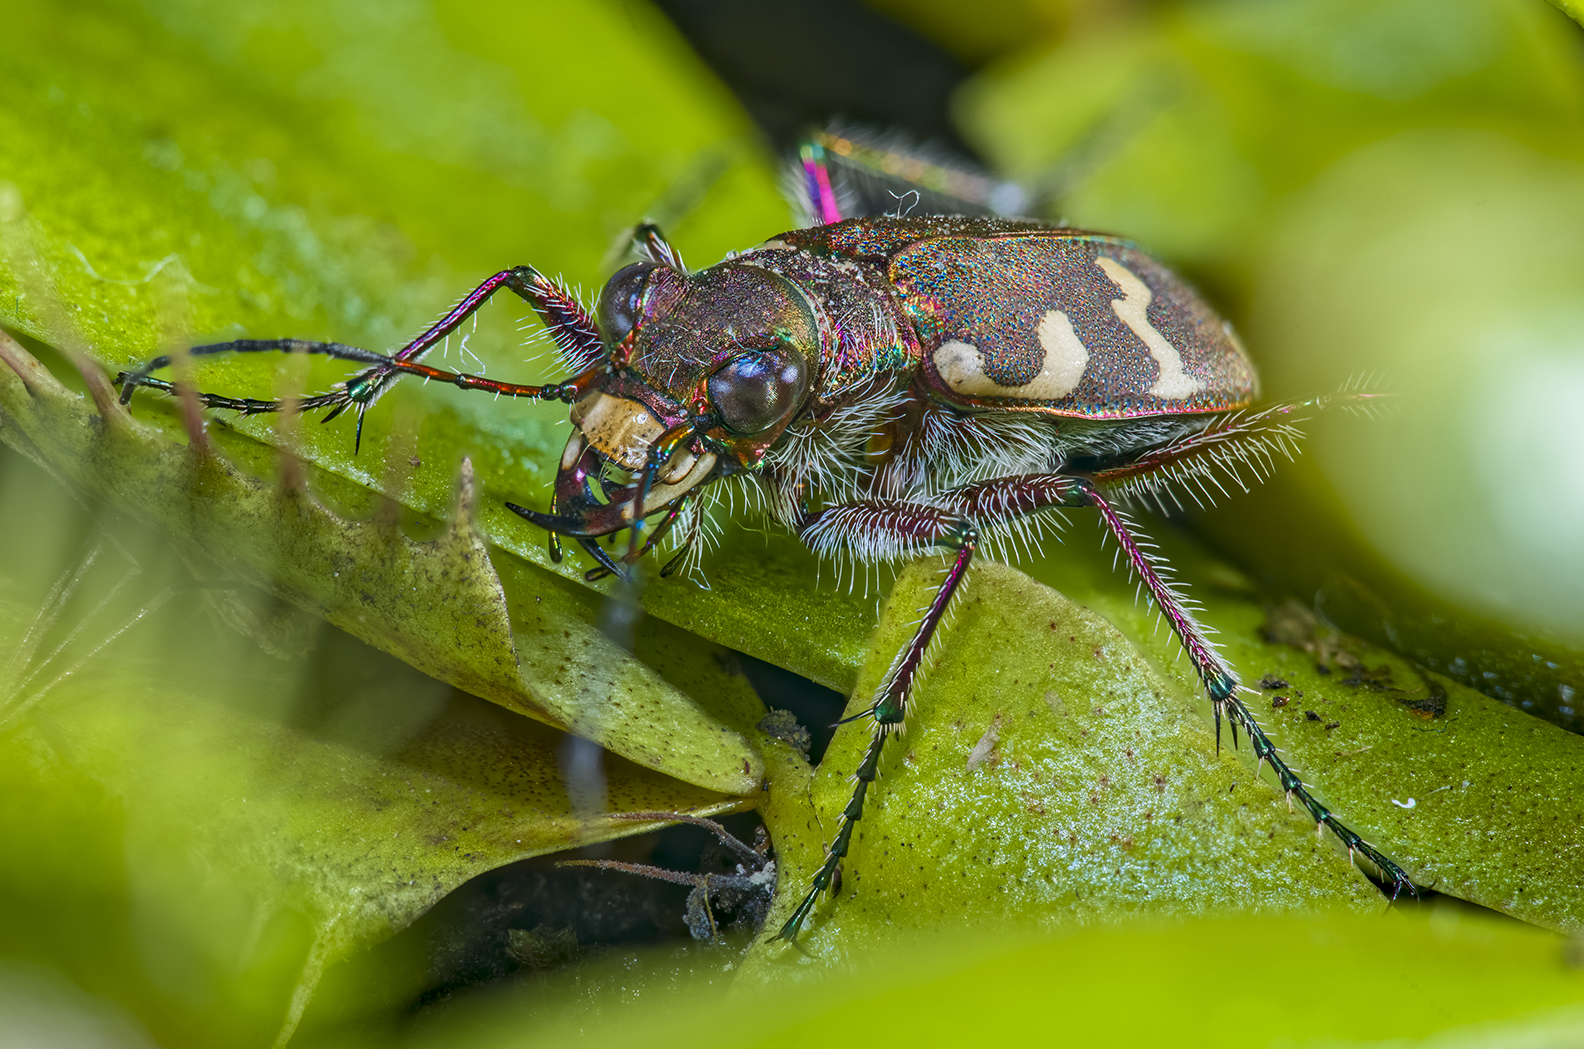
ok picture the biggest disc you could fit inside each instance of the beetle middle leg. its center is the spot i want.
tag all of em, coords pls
(906, 525)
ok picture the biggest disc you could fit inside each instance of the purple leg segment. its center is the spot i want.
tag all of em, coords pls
(817, 181)
(573, 330)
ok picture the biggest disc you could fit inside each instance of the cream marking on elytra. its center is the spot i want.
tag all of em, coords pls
(962, 366)
(1173, 383)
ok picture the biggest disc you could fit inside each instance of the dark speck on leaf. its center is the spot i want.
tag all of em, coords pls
(1279, 701)
(1310, 715)
(784, 725)
(1270, 683)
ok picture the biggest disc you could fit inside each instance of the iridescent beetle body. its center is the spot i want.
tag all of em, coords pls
(888, 385)
(1013, 315)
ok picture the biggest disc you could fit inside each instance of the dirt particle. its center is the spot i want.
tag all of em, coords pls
(784, 725)
(1432, 704)
(984, 750)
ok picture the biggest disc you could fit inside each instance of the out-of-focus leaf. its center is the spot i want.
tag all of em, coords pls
(221, 824)
(1253, 980)
(438, 605)
(991, 30)
(1273, 151)
(1459, 258)
(1573, 9)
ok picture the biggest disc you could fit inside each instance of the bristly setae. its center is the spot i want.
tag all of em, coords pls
(888, 385)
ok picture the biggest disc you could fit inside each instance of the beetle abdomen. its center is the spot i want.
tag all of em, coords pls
(1066, 322)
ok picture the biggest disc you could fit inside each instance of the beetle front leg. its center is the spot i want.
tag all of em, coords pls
(575, 333)
(573, 330)
(852, 525)
(1013, 496)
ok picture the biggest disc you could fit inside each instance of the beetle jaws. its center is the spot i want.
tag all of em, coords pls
(623, 431)
(619, 429)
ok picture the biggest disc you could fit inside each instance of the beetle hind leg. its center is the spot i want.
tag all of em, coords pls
(1223, 687)
(1007, 497)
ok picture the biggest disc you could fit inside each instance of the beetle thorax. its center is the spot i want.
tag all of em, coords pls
(863, 332)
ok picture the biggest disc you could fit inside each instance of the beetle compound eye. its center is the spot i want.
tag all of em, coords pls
(621, 300)
(754, 392)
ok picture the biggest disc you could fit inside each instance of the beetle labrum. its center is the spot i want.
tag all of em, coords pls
(889, 385)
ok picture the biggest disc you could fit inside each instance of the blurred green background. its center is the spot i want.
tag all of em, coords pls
(1383, 192)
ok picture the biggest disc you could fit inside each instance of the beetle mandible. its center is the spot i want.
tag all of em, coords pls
(890, 385)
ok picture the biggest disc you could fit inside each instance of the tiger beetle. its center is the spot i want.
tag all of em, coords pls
(888, 384)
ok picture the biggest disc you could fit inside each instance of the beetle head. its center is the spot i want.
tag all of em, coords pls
(735, 343)
(705, 372)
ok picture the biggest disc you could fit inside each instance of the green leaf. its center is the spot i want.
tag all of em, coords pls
(362, 237)
(1100, 794)
(1572, 9)
(1248, 980)
(438, 605)
(1473, 798)
(1048, 776)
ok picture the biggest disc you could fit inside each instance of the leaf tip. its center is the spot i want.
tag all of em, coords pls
(462, 514)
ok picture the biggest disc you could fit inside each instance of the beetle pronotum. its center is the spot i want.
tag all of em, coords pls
(889, 385)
